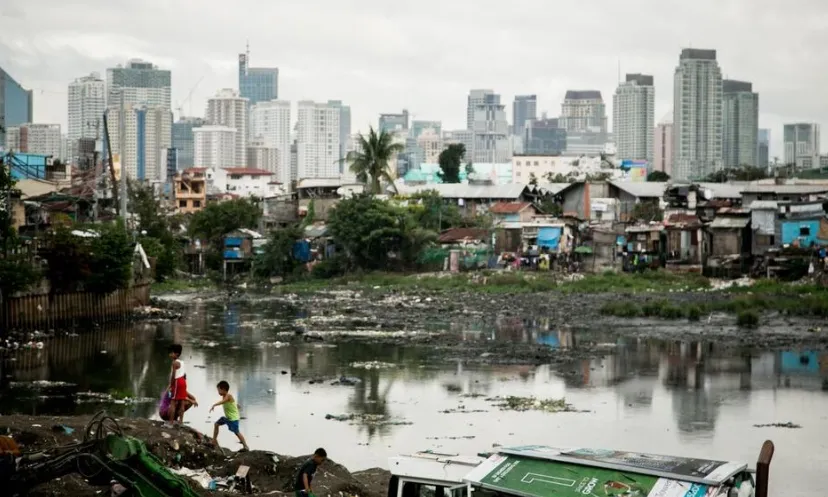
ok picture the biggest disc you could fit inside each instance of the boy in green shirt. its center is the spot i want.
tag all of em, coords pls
(231, 414)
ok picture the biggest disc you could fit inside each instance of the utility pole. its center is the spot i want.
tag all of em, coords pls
(122, 140)
(112, 166)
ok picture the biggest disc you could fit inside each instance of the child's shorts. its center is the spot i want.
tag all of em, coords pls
(233, 426)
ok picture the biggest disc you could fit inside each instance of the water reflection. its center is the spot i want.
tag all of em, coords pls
(703, 394)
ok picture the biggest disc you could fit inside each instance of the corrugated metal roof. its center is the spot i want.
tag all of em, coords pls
(786, 189)
(641, 189)
(460, 190)
(730, 222)
(509, 207)
(764, 204)
(554, 188)
(323, 183)
(725, 190)
(458, 234)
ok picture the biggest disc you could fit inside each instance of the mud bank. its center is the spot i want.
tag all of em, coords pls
(270, 473)
(444, 324)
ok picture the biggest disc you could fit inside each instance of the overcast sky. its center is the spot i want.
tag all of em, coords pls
(424, 55)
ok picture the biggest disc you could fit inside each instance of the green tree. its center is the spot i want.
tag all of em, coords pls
(450, 160)
(741, 173)
(111, 258)
(371, 163)
(533, 180)
(277, 258)
(658, 176)
(155, 229)
(216, 220)
(375, 234)
(550, 207)
(431, 211)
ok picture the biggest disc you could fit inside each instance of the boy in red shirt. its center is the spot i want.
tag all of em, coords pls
(178, 385)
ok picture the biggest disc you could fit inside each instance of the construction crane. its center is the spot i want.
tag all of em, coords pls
(189, 98)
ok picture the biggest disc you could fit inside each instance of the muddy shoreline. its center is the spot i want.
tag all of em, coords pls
(271, 473)
(441, 323)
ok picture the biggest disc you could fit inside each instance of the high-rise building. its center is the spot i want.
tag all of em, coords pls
(260, 156)
(633, 118)
(139, 83)
(344, 128)
(491, 131)
(740, 141)
(801, 141)
(663, 146)
(184, 141)
(524, 109)
(317, 140)
(87, 103)
(461, 136)
(215, 146)
(544, 137)
(147, 134)
(270, 124)
(257, 84)
(394, 123)
(40, 139)
(15, 104)
(475, 98)
(763, 154)
(698, 116)
(584, 111)
(419, 126)
(430, 144)
(227, 108)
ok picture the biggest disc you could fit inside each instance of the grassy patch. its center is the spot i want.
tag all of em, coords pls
(747, 319)
(648, 281)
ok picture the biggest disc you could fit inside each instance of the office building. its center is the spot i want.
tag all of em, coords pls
(227, 108)
(698, 115)
(184, 142)
(544, 137)
(475, 98)
(261, 156)
(524, 109)
(430, 144)
(257, 84)
(141, 140)
(584, 111)
(394, 123)
(344, 127)
(87, 103)
(801, 145)
(15, 104)
(460, 136)
(37, 139)
(491, 131)
(740, 139)
(270, 124)
(317, 141)
(215, 146)
(139, 83)
(633, 118)
(663, 146)
(763, 152)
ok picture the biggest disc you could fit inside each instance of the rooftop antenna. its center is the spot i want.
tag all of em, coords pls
(247, 51)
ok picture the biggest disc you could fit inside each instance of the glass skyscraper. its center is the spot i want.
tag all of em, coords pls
(15, 105)
(257, 84)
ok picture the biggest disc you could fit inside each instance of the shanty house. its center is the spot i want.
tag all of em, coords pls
(513, 212)
(684, 242)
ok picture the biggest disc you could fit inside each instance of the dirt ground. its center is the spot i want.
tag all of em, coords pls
(270, 473)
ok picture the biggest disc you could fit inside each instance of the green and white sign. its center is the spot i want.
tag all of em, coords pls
(531, 477)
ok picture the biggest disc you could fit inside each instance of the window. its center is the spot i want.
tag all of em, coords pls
(804, 231)
(182, 203)
(196, 203)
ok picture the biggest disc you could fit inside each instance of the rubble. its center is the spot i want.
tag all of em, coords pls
(187, 453)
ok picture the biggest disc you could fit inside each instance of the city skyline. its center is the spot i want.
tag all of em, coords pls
(374, 77)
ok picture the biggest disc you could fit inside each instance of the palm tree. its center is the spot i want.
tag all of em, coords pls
(370, 163)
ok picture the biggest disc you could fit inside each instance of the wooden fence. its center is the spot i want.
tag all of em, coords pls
(47, 310)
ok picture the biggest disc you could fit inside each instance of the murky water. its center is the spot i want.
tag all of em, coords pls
(653, 396)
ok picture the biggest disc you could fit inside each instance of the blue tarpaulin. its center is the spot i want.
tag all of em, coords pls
(301, 251)
(549, 238)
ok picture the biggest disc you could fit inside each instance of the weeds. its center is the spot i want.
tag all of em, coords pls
(747, 319)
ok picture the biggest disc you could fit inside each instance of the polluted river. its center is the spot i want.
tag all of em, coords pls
(369, 379)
